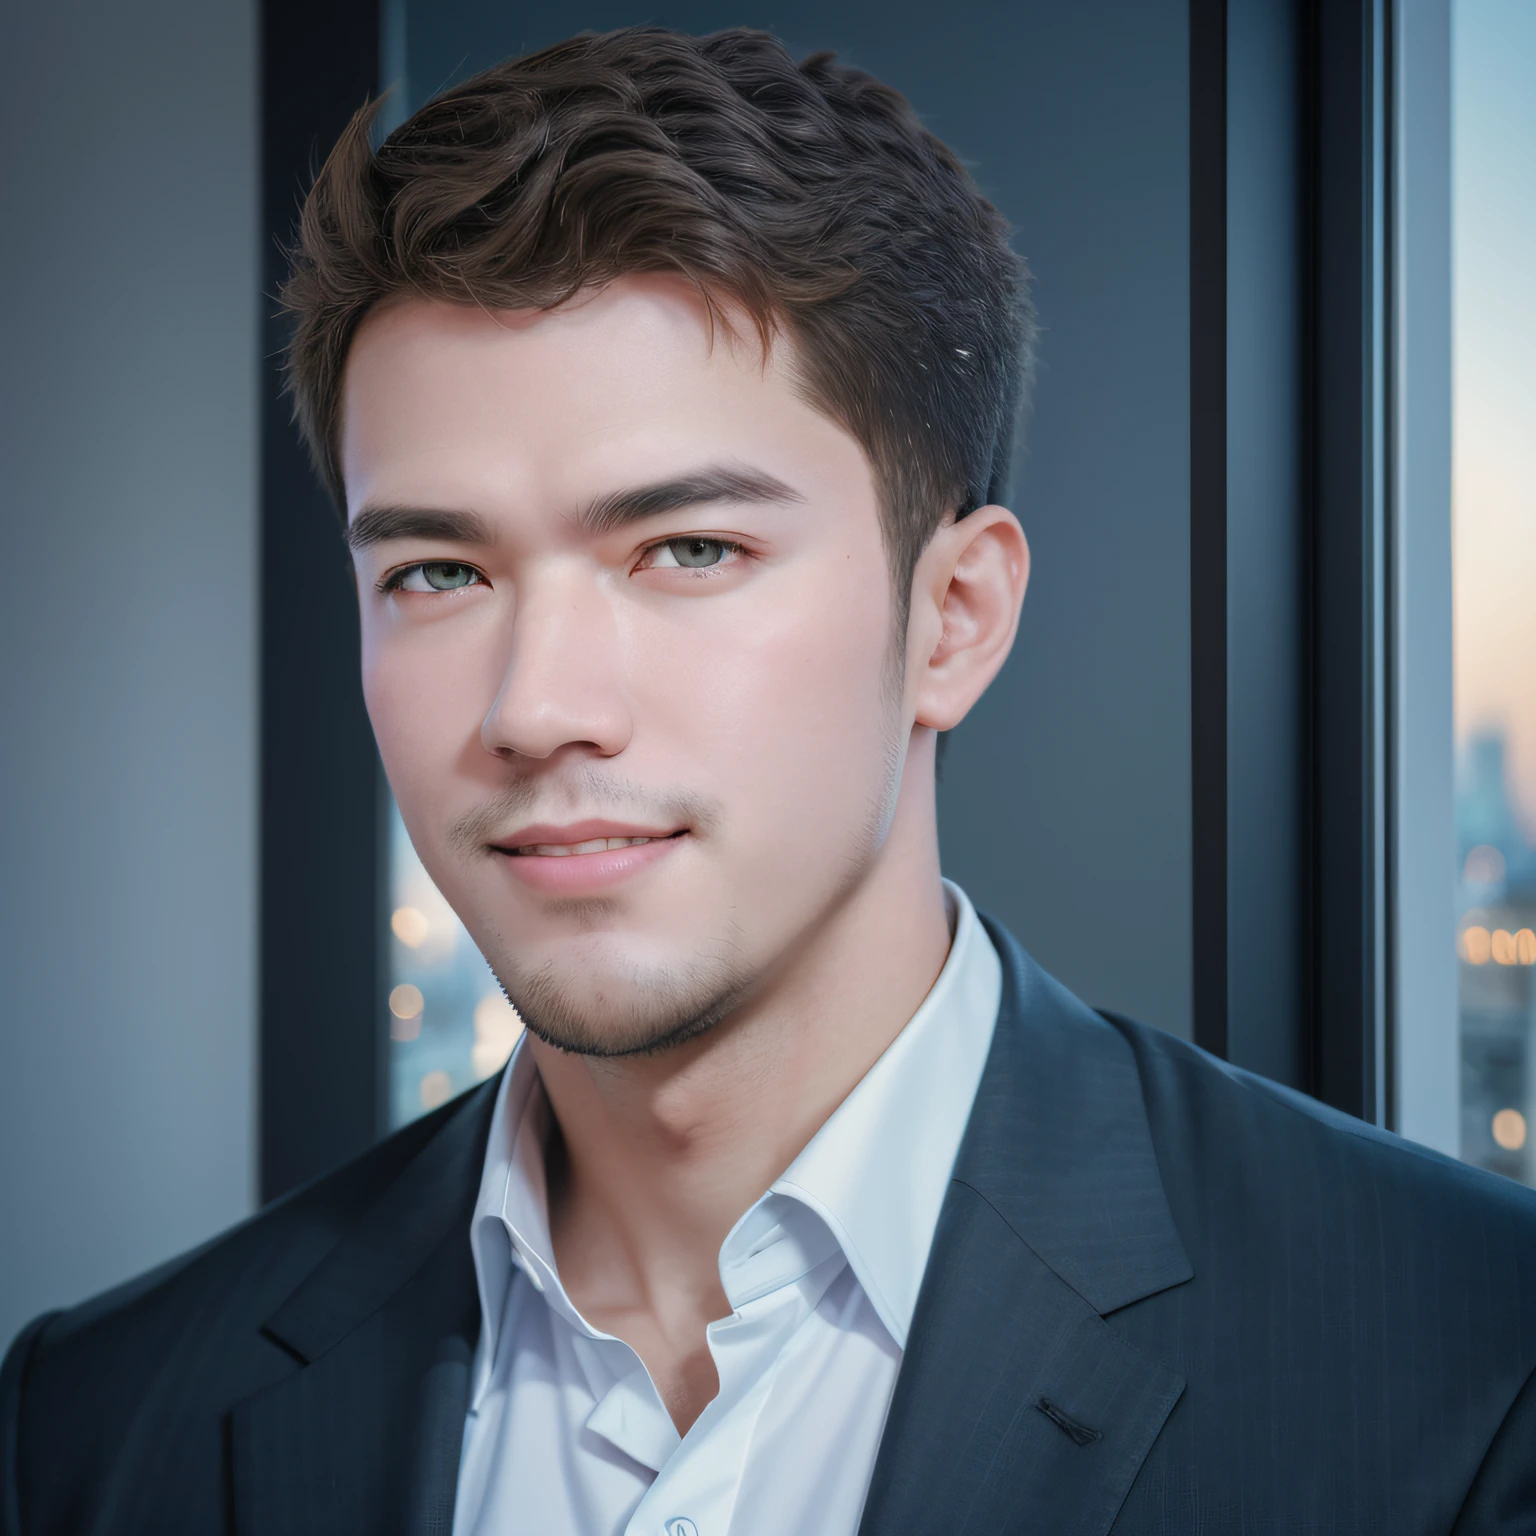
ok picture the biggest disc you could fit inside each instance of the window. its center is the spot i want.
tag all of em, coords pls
(449, 1024)
(1493, 134)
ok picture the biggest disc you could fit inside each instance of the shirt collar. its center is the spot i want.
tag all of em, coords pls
(508, 1149)
(875, 1174)
(877, 1171)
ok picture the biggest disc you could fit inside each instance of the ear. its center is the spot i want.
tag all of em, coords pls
(967, 591)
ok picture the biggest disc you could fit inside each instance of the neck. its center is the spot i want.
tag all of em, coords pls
(658, 1157)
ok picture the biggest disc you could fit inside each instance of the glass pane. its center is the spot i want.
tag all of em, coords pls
(1494, 445)
(449, 1025)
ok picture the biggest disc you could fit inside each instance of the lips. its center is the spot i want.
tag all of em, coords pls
(583, 860)
(590, 845)
(548, 840)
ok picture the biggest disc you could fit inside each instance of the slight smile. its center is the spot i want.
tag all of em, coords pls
(573, 865)
(592, 845)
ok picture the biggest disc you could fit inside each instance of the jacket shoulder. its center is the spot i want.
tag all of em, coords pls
(287, 1237)
(1369, 1304)
(176, 1347)
(1241, 1153)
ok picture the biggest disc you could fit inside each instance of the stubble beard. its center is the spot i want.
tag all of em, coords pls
(658, 1010)
(645, 1014)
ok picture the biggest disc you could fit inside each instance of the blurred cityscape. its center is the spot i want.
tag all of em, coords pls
(449, 1025)
(1493, 569)
(1496, 947)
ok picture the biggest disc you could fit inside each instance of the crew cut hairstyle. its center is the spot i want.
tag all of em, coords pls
(808, 196)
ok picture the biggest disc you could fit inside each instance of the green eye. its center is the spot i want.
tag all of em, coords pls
(433, 576)
(446, 575)
(693, 553)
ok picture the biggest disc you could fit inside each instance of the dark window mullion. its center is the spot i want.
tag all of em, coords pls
(1349, 554)
(321, 1046)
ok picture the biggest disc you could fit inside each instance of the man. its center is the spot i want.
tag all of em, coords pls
(667, 387)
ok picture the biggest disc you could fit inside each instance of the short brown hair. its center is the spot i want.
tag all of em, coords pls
(808, 195)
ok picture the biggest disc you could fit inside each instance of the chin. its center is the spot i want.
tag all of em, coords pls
(630, 1011)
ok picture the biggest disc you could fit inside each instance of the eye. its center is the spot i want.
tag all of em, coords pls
(431, 576)
(689, 552)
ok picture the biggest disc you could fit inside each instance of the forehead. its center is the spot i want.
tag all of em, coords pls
(445, 403)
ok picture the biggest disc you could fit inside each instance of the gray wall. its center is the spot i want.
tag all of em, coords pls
(128, 281)
(1065, 809)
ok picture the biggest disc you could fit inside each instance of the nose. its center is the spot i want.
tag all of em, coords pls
(563, 683)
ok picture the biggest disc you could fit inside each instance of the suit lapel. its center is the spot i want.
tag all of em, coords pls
(364, 1434)
(1018, 1407)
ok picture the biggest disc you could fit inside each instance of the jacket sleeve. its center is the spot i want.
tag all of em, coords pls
(1502, 1499)
(12, 1378)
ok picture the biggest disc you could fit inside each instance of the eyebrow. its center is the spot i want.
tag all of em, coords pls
(716, 483)
(378, 525)
(730, 483)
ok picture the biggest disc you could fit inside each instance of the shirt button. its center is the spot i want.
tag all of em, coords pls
(681, 1525)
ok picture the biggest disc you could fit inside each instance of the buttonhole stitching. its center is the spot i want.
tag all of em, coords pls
(1080, 1433)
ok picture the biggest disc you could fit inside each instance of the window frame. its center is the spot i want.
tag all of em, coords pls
(321, 1078)
(1327, 855)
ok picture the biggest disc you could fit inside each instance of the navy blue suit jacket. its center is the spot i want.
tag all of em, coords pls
(1164, 1296)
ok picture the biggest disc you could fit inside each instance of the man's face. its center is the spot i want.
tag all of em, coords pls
(617, 579)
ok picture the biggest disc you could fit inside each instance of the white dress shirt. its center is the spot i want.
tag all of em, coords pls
(566, 1432)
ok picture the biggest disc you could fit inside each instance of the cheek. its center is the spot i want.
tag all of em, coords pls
(422, 708)
(787, 709)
